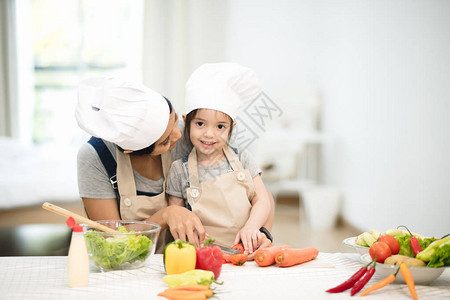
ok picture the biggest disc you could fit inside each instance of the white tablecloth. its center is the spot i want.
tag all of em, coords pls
(45, 278)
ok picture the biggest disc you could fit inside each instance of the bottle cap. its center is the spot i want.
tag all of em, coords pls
(72, 224)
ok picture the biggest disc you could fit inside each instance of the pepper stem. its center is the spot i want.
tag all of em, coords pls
(208, 242)
(405, 228)
(217, 282)
(373, 261)
(179, 244)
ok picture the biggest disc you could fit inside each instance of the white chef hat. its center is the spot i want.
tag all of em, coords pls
(225, 87)
(129, 115)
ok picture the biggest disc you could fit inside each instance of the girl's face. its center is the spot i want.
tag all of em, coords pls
(170, 137)
(209, 131)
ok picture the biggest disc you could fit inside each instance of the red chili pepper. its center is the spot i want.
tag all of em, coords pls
(351, 281)
(362, 281)
(415, 245)
(209, 258)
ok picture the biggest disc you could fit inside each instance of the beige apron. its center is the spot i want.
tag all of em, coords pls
(138, 207)
(221, 203)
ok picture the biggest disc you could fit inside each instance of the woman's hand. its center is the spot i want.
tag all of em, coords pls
(184, 225)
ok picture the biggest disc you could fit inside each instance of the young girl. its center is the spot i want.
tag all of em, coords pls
(222, 187)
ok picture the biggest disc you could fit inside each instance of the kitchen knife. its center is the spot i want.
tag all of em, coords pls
(227, 250)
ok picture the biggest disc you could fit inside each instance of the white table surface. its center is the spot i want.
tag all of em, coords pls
(44, 277)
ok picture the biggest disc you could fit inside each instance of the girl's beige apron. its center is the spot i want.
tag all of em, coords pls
(221, 203)
(137, 207)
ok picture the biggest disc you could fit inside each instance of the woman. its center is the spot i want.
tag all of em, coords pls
(122, 170)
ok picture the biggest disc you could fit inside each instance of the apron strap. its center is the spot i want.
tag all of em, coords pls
(194, 180)
(125, 178)
(232, 158)
(193, 170)
(166, 160)
(108, 162)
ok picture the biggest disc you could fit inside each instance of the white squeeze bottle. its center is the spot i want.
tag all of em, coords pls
(78, 261)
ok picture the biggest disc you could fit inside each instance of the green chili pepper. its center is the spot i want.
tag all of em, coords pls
(191, 277)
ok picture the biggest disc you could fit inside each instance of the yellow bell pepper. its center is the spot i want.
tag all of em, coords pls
(179, 257)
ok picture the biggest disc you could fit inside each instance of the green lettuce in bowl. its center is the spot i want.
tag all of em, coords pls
(127, 249)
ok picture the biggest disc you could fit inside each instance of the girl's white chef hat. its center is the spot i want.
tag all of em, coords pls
(129, 115)
(225, 87)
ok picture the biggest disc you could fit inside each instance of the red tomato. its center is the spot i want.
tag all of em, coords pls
(380, 250)
(391, 241)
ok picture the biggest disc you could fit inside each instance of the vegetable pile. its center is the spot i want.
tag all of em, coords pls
(191, 271)
(358, 280)
(110, 253)
(396, 247)
(411, 248)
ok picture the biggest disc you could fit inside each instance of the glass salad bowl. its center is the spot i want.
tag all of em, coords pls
(128, 248)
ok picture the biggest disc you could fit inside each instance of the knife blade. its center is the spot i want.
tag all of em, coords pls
(227, 250)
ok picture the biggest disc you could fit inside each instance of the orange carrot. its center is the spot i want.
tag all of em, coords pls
(290, 257)
(409, 280)
(382, 283)
(378, 285)
(266, 256)
(174, 294)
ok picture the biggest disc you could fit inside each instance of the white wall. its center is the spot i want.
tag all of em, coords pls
(383, 68)
(385, 75)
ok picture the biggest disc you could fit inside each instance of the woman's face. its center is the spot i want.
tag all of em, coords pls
(170, 137)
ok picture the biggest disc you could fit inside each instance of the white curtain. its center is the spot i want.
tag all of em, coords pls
(6, 9)
(179, 36)
(16, 66)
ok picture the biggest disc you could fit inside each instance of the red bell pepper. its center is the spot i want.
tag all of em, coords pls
(209, 258)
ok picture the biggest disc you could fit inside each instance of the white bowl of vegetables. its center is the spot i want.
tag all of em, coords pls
(128, 248)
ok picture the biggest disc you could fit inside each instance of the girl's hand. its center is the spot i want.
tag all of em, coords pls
(250, 237)
(265, 242)
(184, 225)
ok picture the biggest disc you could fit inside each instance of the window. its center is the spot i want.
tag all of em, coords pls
(72, 40)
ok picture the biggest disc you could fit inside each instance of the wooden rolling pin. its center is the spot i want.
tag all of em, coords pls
(66, 213)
